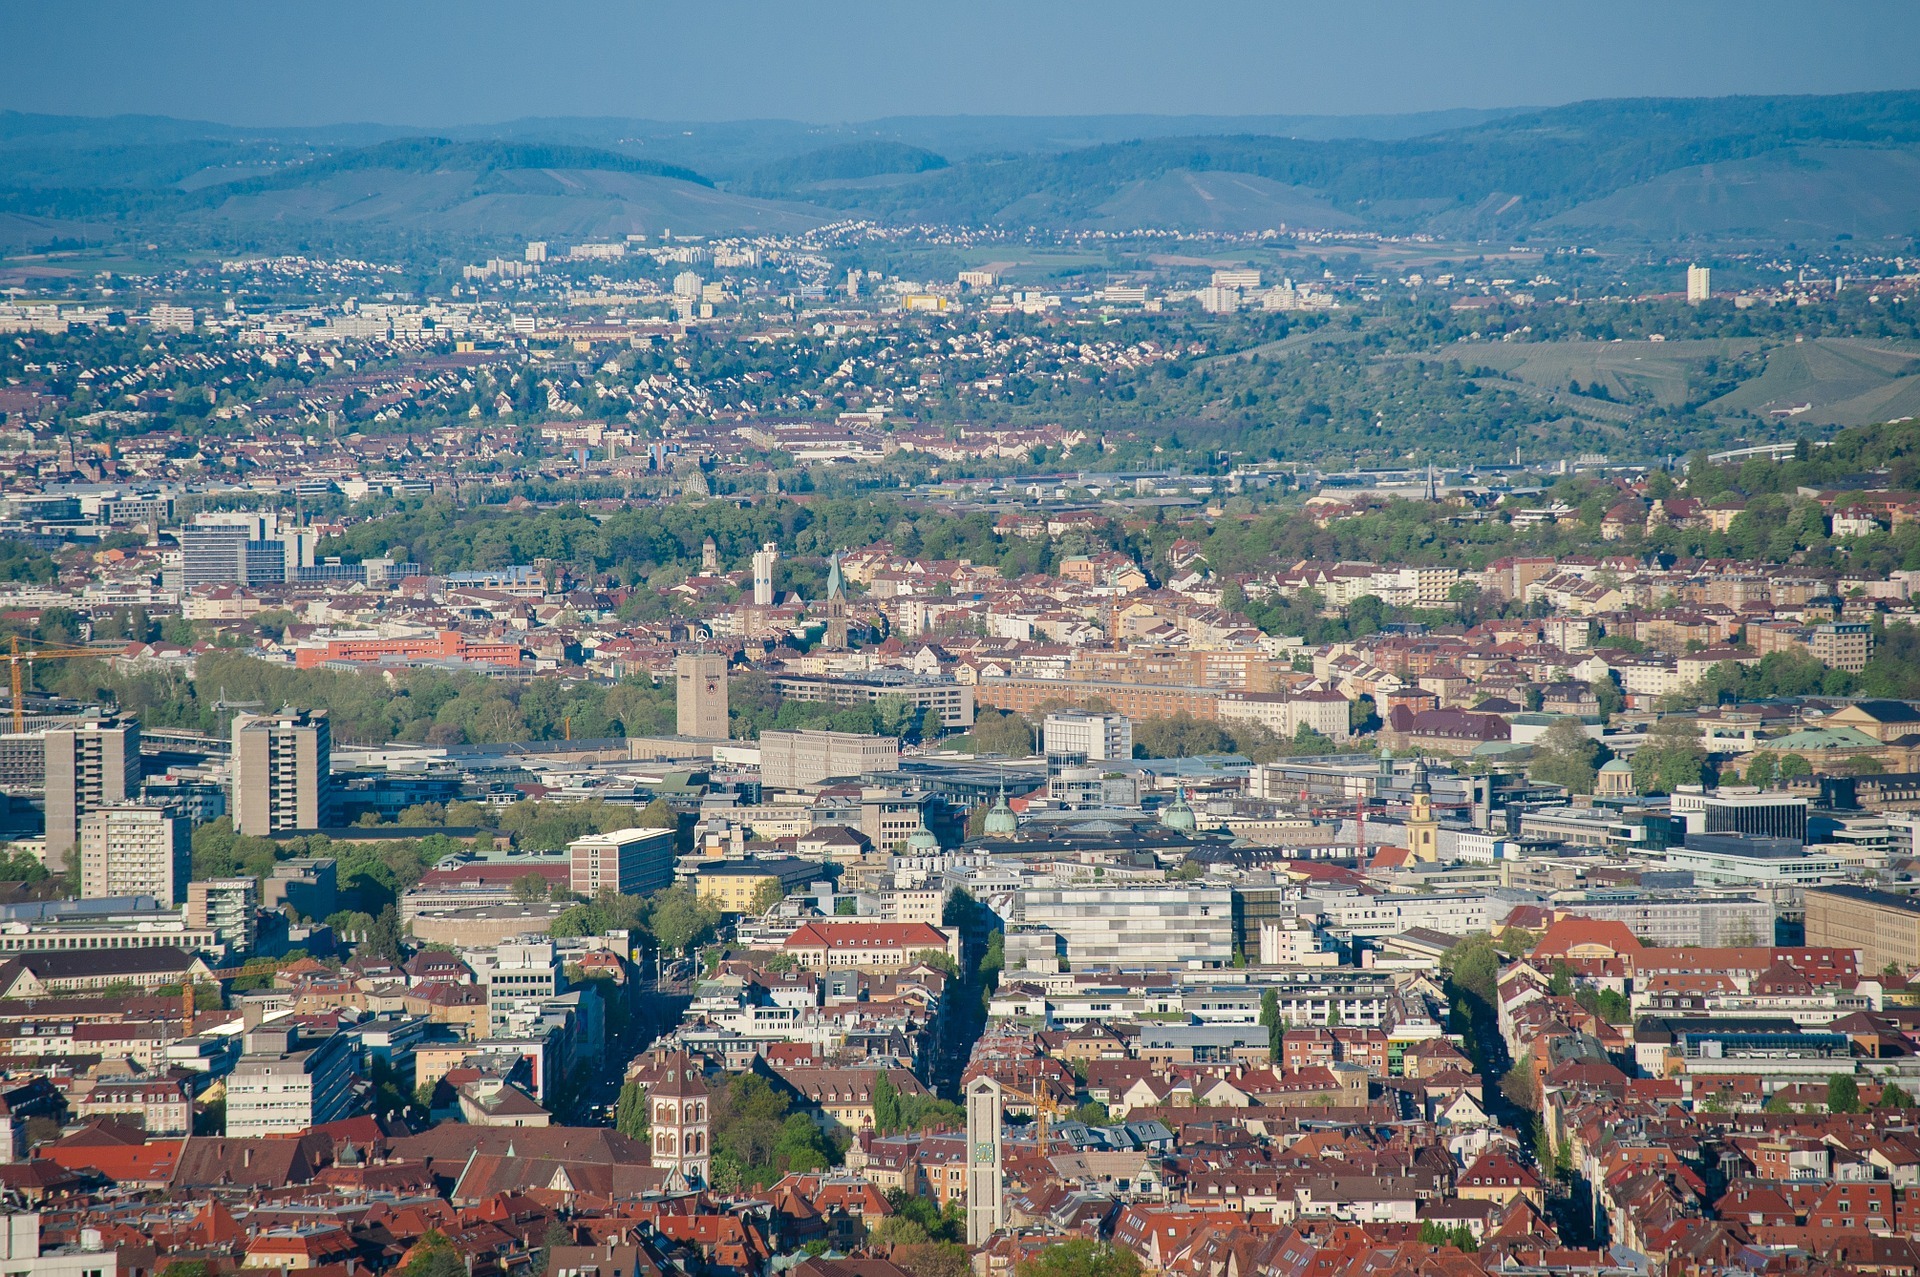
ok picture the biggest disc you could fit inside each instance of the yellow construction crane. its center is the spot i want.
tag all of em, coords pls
(37, 654)
(1045, 1109)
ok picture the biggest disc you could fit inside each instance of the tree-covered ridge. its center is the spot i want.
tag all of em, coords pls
(841, 164)
(635, 545)
(1551, 159)
(425, 706)
(427, 154)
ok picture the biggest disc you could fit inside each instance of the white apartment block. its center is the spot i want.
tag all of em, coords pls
(1284, 713)
(135, 849)
(1088, 738)
(284, 1083)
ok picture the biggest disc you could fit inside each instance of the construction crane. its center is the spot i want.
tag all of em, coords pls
(1045, 1109)
(37, 654)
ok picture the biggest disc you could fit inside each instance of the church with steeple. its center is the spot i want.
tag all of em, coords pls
(836, 637)
(1423, 828)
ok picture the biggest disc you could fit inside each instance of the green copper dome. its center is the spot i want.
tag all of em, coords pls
(1001, 820)
(1177, 815)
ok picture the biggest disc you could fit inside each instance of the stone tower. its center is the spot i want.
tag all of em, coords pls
(700, 695)
(986, 1171)
(677, 1116)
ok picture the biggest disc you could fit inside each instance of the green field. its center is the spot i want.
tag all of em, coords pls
(1662, 372)
(1847, 381)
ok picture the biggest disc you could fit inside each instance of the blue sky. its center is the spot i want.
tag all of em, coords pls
(418, 62)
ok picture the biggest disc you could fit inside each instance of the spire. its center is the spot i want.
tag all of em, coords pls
(1000, 819)
(833, 576)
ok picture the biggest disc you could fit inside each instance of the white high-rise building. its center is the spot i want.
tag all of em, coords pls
(763, 560)
(1219, 301)
(537, 250)
(285, 1082)
(1699, 284)
(1088, 738)
(687, 284)
(135, 849)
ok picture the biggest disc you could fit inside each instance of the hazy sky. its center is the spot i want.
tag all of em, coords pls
(429, 62)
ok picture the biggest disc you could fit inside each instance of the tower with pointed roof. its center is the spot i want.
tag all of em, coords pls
(677, 1120)
(836, 638)
(1423, 829)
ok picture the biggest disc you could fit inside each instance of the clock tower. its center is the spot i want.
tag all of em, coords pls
(986, 1178)
(1423, 830)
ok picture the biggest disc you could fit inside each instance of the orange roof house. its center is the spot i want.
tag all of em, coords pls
(1586, 938)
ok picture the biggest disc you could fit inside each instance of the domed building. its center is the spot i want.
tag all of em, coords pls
(1000, 821)
(921, 841)
(1177, 815)
(1615, 780)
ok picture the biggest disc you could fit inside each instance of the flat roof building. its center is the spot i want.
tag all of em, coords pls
(284, 1083)
(953, 702)
(801, 759)
(87, 766)
(1748, 858)
(282, 772)
(133, 849)
(632, 862)
(1883, 925)
(1136, 926)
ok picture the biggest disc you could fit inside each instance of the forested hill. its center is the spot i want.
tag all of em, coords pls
(1776, 169)
(1517, 172)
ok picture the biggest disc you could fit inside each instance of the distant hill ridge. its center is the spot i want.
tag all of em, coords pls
(1653, 169)
(430, 154)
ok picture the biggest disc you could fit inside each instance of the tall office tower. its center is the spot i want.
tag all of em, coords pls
(763, 560)
(135, 849)
(701, 695)
(1699, 283)
(88, 766)
(282, 771)
(243, 548)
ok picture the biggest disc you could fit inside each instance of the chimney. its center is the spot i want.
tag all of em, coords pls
(186, 1008)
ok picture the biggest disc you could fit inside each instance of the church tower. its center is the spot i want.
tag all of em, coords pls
(836, 637)
(1423, 831)
(986, 1165)
(677, 1107)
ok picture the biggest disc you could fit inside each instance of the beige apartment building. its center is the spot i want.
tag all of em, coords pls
(282, 771)
(1883, 925)
(88, 765)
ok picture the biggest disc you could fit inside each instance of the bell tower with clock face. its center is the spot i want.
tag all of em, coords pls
(986, 1171)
